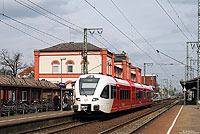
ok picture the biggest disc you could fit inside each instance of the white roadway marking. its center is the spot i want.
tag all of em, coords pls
(30, 117)
(169, 130)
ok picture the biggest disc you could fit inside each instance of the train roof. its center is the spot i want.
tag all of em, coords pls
(142, 86)
(138, 85)
(123, 81)
(105, 77)
(118, 80)
(147, 87)
(94, 76)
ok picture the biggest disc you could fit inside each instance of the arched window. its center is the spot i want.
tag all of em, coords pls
(70, 67)
(55, 67)
(55, 64)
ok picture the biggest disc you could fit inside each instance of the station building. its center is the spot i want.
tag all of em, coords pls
(100, 61)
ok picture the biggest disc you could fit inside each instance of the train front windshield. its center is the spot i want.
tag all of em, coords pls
(87, 86)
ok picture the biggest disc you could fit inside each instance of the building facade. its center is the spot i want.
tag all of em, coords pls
(100, 61)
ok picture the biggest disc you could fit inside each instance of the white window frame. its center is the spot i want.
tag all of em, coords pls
(24, 93)
(70, 65)
(55, 64)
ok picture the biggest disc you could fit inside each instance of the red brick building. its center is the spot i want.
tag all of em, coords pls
(150, 80)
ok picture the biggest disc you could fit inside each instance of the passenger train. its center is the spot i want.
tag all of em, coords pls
(105, 94)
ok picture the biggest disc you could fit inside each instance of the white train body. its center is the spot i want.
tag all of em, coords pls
(101, 93)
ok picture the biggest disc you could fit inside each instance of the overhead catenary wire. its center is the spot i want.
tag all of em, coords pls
(181, 23)
(173, 58)
(165, 11)
(33, 28)
(35, 10)
(55, 15)
(43, 14)
(121, 31)
(180, 19)
(124, 34)
(68, 21)
(24, 32)
(126, 18)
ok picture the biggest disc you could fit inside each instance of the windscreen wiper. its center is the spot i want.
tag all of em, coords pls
(84, 92)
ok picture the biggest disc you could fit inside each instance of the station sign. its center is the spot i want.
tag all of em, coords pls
(61, 84)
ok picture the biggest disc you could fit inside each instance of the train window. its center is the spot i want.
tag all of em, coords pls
(144, 93)
(113, 92)
(137, 95)
(87, 86)
(117, 92)
(125, 94)
(105, 92)
(121, 94)
(148, 94)
(141, 94)
(129, 95)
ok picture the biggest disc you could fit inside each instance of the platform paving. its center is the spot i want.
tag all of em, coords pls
(188, 121)
(16, 119)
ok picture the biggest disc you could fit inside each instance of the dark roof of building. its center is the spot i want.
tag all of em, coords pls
(119, 57)
(29, 83)
(71, 46)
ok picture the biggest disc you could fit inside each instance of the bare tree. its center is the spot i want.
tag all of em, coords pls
(13, 62)
(5, 72)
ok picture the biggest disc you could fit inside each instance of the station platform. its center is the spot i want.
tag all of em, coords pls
(28, 121)
(181, 119)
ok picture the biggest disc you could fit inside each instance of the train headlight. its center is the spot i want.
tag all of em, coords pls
(78, 99)
(95, 99)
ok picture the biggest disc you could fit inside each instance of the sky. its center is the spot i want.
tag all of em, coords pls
(138, 27)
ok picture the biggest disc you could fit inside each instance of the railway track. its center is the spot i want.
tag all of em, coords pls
(132, 125)
(85, 126)
(58, 128)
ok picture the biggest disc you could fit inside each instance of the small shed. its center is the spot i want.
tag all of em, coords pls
(20, 89)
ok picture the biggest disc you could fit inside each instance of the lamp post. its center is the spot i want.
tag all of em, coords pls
(61, 87)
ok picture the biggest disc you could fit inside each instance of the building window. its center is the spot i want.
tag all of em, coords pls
(55, 67)
(24, 95)
(70, 67)
(70, 64)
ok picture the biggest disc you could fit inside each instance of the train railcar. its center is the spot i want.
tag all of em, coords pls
(101, 93)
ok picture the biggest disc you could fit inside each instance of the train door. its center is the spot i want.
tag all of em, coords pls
(118, 97)
(145, 96)
(133, 99)
(110, 97)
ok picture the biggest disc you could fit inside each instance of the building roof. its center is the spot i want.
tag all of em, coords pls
(71, 46)
(29, 83)
(119, 57)
(189, 84)
(26, 72)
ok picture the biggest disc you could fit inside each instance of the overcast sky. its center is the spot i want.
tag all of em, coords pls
(144, 16)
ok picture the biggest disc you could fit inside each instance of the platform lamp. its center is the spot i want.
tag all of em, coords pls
(61, 87)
